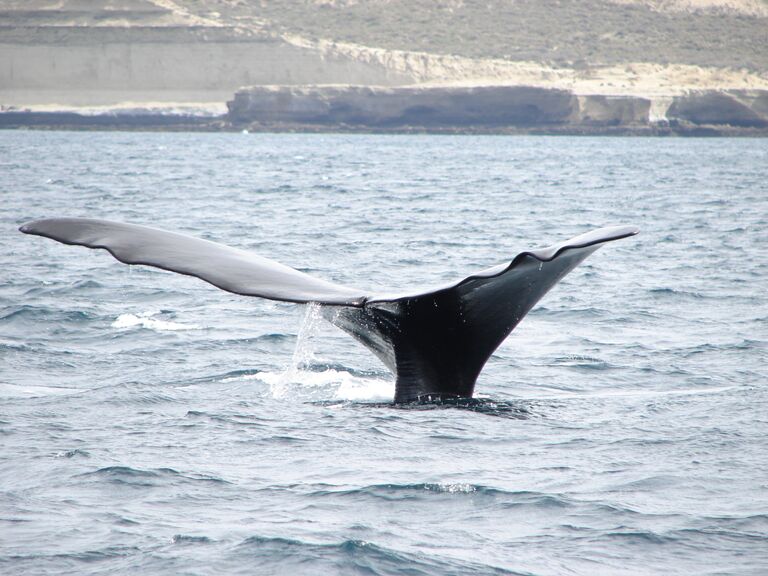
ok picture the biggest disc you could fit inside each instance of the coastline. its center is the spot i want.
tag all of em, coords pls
(74, 122)
(158, 65)
(490, 109)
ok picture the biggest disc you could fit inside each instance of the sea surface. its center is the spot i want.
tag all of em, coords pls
(152, 424)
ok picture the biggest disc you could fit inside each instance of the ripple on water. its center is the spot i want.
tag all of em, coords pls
(289, 556)
(28, 314)
(410, 491)
(125, 475)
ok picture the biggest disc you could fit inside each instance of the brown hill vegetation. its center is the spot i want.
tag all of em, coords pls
(719, 33)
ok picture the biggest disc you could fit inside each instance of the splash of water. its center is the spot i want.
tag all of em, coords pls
(146, 320)
(300, 380)
(303, 354)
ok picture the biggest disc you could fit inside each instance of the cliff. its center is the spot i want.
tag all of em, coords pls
(741, 108)
(496, 107)
(414, 106)
(75, 66)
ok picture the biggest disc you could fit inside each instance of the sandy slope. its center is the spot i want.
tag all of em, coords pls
(634, 78)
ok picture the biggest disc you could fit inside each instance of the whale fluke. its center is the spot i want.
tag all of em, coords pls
(435, 341)
(230, 269)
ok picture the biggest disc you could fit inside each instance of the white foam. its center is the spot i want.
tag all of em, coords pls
(16, 391)
(328, 384)
(365, 389)
(449, 488)
(145, 320)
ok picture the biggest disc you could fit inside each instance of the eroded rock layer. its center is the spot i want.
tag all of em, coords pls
(489, 106)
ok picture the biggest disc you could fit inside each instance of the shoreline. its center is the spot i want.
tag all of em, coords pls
(490, 109)
(52, 121)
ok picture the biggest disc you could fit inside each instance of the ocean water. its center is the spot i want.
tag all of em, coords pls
(152, 424)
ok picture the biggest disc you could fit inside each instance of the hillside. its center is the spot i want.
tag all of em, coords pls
(718, 33)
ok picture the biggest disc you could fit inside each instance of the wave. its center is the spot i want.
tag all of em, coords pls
(504, 498)
(272, 337)
(671, 292)
(130, 393)
(73, 453)
(570, 313)
(63, 289)
(474, 494)
(230, 376)
(9, 346)
(48, 315)
(185, 539)
(571, 395)
(583, 362)
(517, 409)
(246, 420)
(409, 491)
(289, 556)
(25, 314)
(87, 556)
(18, 391)
(126, 475)
(146, 320)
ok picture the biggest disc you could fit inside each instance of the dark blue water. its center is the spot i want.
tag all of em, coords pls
(150, 423)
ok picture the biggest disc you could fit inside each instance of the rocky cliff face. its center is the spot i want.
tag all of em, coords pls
(742, 108)
(433, 106)
(91, 66)
(415, 106)
(489, 106)
(598, 110)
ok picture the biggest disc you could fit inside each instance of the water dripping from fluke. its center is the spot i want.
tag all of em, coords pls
(309, 379)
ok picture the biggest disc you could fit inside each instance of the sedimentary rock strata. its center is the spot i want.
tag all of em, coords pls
(487, 106)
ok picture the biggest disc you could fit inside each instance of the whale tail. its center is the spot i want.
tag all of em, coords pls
(437, 342)
(434, 341)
